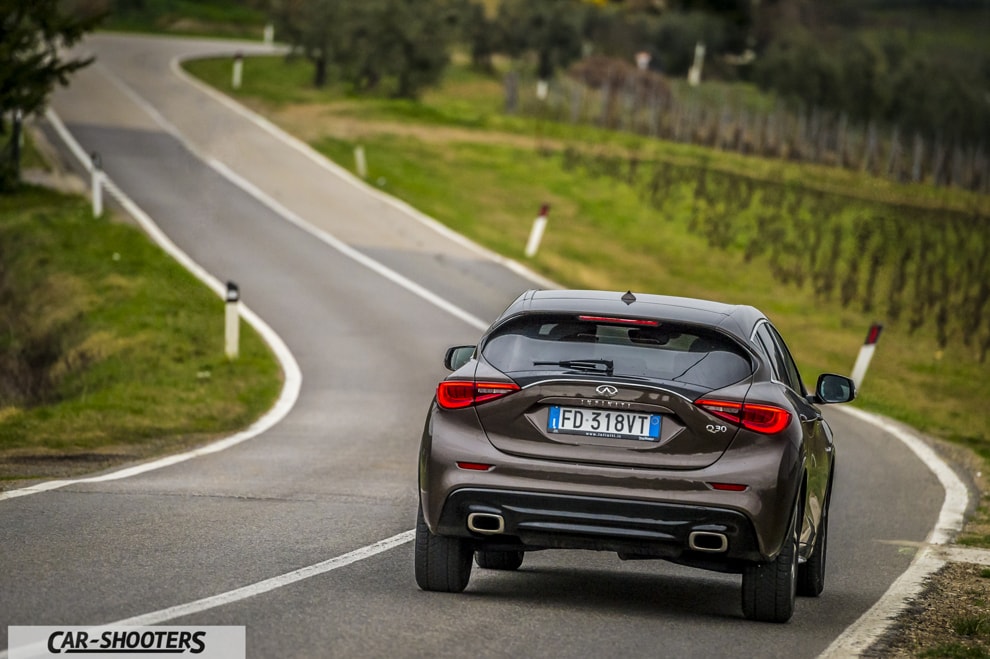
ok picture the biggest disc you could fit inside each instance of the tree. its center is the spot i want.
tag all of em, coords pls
(799, 69)
(479, 33)
(312, 27)
(397, 46)
(551, 28)
(31, 36)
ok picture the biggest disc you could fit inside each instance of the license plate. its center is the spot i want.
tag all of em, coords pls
(612, 424)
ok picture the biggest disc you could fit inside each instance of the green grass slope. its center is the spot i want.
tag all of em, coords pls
(110, 350)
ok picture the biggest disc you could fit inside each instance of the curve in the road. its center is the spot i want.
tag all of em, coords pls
(872, 624)
(290, 368)
(853, 640)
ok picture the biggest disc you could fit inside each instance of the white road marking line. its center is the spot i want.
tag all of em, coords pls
(871, 625)
(288, 215)
(347, 250)
(245, 592)
(320, 160)
(238, 594)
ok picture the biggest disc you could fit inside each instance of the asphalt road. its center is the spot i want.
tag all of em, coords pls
(339, 472)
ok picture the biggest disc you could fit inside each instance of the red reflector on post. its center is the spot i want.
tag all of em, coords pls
(874, 334)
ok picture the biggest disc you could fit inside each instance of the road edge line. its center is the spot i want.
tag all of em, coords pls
(266, 585)
(878, 619)
(332, 167)
(289, 216)
(257, 588)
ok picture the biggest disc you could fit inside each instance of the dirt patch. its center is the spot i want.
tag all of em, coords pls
(17, 471)
(951, 618)
(21, 468)
(312, 121)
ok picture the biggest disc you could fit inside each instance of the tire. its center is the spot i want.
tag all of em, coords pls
(769, 589)
(499, 560)
(811, 574)
(443, 564)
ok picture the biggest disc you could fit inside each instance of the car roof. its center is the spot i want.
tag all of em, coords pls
(733, 318)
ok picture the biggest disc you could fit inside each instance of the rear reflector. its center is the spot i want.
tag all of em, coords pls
(765, 419)
(475, 466)
(620, 321)
(454, 395)
(729, 487)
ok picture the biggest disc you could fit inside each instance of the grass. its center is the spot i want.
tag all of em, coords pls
(31, 158)
(474, 102)
(215, 18)
(955, 651)
(972, 625)
(457, 158)
(133, 357)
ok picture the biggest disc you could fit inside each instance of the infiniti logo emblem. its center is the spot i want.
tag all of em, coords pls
(607, 390)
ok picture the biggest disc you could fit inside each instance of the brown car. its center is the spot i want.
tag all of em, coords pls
(651, 426)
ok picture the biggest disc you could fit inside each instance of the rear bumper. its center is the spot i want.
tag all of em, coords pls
(637, 529)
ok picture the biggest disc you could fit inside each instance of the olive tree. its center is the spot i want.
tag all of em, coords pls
(396, 46)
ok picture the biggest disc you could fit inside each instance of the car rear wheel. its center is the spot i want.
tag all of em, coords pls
(442, 564)
(811, 574)
(499, 560)
(769, 589)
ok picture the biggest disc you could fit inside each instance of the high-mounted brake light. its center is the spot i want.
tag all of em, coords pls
(765, 419)
(620, 321)
(454, 395)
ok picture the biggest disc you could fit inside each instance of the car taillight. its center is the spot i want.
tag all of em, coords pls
(766, 419)
(454, 395)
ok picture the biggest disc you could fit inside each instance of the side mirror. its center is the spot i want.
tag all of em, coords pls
(458, 356)
(833, 388)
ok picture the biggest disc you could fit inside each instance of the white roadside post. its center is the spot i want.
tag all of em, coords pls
(97, 183)
(360, 163)
(542, 89)
(269, 34)
(233, 317)
(694, 73)
(536, 234)
(866, 354)
(238, 73)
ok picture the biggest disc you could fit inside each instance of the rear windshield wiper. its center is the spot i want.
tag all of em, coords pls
(594, 365)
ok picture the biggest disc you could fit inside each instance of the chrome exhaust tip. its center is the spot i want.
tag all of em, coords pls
(713, 543)
(485, 523)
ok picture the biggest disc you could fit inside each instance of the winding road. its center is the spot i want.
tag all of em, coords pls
(283, 533)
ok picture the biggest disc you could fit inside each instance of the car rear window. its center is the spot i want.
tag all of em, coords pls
(566, 344)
